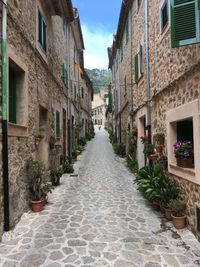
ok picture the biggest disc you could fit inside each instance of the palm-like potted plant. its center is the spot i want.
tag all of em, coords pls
(184, 154)
(74, 154)
(178, 208)
(46, 188)
(34, 173)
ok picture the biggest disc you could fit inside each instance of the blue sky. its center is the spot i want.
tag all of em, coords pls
(99, 19)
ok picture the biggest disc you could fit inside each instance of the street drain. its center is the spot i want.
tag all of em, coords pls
(73, 175)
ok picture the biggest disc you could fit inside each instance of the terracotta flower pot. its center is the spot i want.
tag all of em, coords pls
(179, 222)
(185, 163)
(37, 205)
(152, 157)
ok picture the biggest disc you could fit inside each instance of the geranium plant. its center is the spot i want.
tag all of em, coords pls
(144, 139)
(133, 135)
(183, 149)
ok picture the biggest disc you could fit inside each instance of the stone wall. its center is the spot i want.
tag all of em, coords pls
(45, 89)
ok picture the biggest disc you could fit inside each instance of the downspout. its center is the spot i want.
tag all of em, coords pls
(4, 118)
(131, 15)
(148, 90)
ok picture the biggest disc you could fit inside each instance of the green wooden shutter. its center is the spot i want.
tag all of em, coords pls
(141, 67)
(63, 72)
(66, 77)
(12, 96)
(136, 68)
(44, 37)
(184, 22)
(57, 124)
(125, 86)
(40, 27)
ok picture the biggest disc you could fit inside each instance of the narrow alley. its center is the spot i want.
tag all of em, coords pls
(97, 219)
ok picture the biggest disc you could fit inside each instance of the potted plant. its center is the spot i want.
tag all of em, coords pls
(178, 208)
(133, 136)
(56, 173)
(38, 138)
(169, 191)
(144, 139)
(35, 172)
(74, 154)
(159, 138)
(149, 150)
(67, 167)
(46, 188)
(52, 142)
(184, 154)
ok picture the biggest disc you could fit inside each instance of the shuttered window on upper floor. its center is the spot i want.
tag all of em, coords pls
(57, 124)
(164, 15)
(185, 22)
(138, 65)
(42, 31)
(64, 74)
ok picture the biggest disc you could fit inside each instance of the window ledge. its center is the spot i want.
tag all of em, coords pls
(190, 171)
(17, 130)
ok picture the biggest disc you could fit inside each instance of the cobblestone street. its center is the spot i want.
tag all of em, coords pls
(97, 219)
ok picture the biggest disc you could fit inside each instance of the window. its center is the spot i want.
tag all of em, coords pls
(82, 92)
(125, 86)
(138, 65)
(122, 51)
(139, 3)
(64, 74)
(42, 34)
(164, 15)
(183, 123)
(17, 104)
(185, 22)
(64, 25)
(127, 29)
(12, 96)
(57, 124)
(74, 92)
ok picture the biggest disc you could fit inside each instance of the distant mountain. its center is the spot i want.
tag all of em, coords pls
(100, 78)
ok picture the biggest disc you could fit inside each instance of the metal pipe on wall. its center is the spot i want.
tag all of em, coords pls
(5, 118)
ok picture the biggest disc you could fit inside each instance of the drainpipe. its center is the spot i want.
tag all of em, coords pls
(4, 118)
(131, 15)
(148, 90)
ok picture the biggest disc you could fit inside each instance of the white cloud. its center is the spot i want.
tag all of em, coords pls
(96, 43)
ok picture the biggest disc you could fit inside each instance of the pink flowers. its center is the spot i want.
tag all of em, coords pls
(183, 149)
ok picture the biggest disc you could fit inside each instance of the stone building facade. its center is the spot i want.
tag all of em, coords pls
(41, 75)
(174, 84)
(99, 107)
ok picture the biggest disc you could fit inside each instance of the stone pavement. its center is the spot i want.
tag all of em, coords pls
(98, 219)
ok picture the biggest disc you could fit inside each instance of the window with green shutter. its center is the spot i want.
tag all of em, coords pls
(127, 29)
(138, 65)
(164, 15)
(42, 31)
(12, 96)
(57, 124)
(136, 68)
(185, 23)
(125, 86)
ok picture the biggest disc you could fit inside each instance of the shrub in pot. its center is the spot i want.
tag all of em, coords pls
(56, 174)
(35, 173)
(46, 188)
(67, 167)
(149, 150)
(159, 139)
(178, 208)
